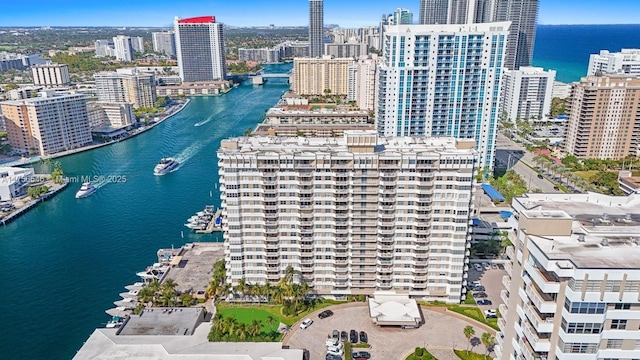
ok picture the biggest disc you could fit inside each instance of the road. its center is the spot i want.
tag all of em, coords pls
(512, 156)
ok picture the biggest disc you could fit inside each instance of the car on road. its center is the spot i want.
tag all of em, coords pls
(325, 314)
(363, 337)
(361, 355)
(540, 176)
(335, 334)
(306, 323)
(353, 336)
(556, 188)
(480, 295)
(484, 302)
(343, 336)
(331, 356)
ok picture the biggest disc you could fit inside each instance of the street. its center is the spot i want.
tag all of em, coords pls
(511, 156)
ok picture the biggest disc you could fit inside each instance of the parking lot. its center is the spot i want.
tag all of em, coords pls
(440, 331)
(492, 281)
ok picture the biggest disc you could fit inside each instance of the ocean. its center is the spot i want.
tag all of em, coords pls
(566, 48)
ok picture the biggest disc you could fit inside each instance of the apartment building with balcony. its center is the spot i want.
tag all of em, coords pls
(352, 215)
(604, 117)
(573, 284)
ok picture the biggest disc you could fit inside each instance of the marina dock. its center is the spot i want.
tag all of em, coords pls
(212, 227)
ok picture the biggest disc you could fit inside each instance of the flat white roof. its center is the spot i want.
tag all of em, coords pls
(394, 310)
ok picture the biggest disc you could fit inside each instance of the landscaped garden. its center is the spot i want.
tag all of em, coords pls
(421, 354)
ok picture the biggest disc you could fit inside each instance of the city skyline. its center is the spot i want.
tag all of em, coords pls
(294, 12)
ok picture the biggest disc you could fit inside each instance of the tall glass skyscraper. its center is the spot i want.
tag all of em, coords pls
(442, 80)
(523, 15)
(200, 49)
(316, 27)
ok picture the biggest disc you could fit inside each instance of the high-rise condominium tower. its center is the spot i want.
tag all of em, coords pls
(123, 48)
(351, 215)
(200, 49)
(522, 14)
(164, 42)
(442, 80)
(316, 27)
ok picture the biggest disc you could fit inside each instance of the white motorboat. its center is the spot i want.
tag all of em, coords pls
(85, 190)
(165, 166)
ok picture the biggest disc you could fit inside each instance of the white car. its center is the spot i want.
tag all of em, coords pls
(490, 313)
(306, 323)
(335, 350)
(486, 266)
(336, 345)
(477, 267)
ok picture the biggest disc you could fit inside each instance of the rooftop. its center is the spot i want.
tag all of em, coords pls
(194, 267)
(164, 321)
(198, 20)
(316, 145)
(605, 230)
(104, 344)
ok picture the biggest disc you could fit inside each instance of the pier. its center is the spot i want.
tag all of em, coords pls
(211, 226)
(30, 205)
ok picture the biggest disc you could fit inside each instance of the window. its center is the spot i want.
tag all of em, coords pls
(623, 306)
(614, 344)
(618, 324)
(584, 307)
(581, 348)
(581, 328)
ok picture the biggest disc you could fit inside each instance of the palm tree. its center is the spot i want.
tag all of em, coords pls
(241, 287)
(468, 333)
(270, 320)
(169, 285)
(278, 295)
(231, 325)
(212, 290)
(241, 330)
(218, 323)
(267, 289)
(255, 328)
(488, 341)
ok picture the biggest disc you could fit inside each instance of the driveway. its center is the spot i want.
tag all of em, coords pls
(440, 331)
(492, 281)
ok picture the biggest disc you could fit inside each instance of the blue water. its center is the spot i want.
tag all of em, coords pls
(566, 48)
(65, 262)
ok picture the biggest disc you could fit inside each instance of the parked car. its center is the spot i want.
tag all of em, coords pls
(476, 283)
(540, 176)
(335, 334)
(333, 342)
(486, 266)
(325, 314)
(335, 350)
(478, 288)
(363, 337)
(490, 313)
(556, 188)
(353, 336)
(477, 267)
(306, 355)
(484, 302)
(361, 355)
(331, 356)
(500, 266)
(306, 323)
(343, 336)
(480, 295)
(494, 266)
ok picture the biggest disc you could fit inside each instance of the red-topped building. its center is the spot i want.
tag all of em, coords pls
(200, 49)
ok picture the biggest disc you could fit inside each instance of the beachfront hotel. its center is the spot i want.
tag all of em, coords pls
(573, 284)
(200, 49)
(442, 80)
(47, 124)
(352, 215)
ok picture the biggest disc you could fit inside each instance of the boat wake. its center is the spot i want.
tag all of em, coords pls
(188, 153)
(208, 119)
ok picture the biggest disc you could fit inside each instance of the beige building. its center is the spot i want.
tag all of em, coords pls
(48, 124)
(114, 115)
(204, 88)
(363, 82)
(573, 280)
(51, 75)
(604, 117)
(127, 85)
(351, 215)
(318, 76)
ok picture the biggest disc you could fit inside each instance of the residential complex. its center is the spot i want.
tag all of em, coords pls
(321, 76)
(113, 115)
(105, 48)
(264, 55)
(522, 14)
(402, 17)
(126, 85)
(604, 117)
(526, 93)
(137, 44)
(351, 50)
(164, 42)
(200, 49)
(48, 124)
(51, 75)
(463, 100)
(123, 48)
(627, 61)
(573, 279)
(316, 28)
(352, 215)
(363, 82)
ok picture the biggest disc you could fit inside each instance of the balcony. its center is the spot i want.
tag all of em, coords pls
(502, 323)
(504, 295)
(538, 344)
(510, 252)
(503, 309)
(544, 302)
(508, 267)
(506, 282)
(541, 325)
(544, 280)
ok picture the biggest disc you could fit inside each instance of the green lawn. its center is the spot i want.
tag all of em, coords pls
(586, 175)
(472, 312)
(247, 315)
(247, 311)
(426, 355)
(462, 354)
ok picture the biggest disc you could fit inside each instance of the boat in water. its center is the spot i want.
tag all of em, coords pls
(165, 166)
(85, 190)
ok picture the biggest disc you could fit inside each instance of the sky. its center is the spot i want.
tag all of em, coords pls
(346, 13)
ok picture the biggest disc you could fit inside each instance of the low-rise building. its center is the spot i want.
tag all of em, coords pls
(573, 279)
(316, 114)
(204, 88)
(127, 85)
(114, 115)
(14, 182)
(628, 183)
(627, 61)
